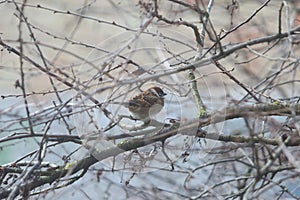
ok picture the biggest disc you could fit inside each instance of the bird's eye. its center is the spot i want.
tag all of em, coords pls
(162, 94)
(159, 92)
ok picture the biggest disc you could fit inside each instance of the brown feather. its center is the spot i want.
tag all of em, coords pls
(147, 103)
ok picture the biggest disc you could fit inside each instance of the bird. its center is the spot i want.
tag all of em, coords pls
(146, 104)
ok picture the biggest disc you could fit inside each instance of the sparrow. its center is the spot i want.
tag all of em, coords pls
(146, 104)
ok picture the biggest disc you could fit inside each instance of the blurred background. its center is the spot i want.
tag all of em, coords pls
(112, 50)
